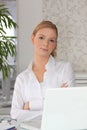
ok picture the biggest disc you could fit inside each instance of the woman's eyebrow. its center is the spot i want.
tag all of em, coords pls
(42, 34)
(50, 37)
(54, 38)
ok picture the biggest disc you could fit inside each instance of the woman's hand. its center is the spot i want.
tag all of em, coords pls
(26, 106)
(64, 85)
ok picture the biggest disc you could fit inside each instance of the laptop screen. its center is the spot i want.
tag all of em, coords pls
(65, 109)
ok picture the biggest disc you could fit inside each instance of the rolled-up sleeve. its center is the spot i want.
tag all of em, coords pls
(68, 75)
(18, 101)
(36, 104)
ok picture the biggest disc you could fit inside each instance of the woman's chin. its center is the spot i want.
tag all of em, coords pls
(45, 55)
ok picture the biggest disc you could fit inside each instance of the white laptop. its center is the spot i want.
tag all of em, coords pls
(65, 109)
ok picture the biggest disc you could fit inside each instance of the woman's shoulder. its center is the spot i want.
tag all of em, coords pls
(63, 64)
(60, 63)
(23, 75)
(26, 72)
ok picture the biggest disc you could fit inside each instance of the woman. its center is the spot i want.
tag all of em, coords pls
(43, 72)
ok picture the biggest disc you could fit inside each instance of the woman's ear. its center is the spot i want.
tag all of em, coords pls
(32, 38)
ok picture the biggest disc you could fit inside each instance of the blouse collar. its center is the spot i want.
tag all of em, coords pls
(50, 64)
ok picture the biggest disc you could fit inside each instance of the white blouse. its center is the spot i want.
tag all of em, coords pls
(27, 88)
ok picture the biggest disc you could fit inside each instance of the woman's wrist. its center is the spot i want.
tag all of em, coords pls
(26, 106)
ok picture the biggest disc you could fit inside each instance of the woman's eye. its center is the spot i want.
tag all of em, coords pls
(52, 41)
(41, 38)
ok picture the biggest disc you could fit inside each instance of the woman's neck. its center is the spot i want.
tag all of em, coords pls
(39, 67)
(40, 62)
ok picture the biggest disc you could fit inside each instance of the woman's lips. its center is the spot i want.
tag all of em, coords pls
(44, 49)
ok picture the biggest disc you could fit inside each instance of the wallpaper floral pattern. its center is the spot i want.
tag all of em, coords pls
(70, 16)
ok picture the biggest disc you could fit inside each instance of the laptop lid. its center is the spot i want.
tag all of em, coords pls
(65, 109)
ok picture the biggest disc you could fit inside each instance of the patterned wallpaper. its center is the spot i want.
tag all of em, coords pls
(70, 16)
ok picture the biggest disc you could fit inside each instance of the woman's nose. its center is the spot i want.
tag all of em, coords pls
(46, 42)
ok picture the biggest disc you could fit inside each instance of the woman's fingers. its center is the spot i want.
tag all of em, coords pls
(64, 85)
(26, 106)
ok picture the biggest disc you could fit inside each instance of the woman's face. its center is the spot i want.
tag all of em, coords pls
(44, 41)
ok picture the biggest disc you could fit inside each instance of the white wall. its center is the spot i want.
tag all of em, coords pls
(70, 17)
(29, 14)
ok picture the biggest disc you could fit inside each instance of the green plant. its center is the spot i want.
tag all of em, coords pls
(7, 43)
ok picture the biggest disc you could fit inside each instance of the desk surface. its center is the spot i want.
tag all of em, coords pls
(6, 122)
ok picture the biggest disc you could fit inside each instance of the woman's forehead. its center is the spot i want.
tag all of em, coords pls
(46, 31)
